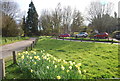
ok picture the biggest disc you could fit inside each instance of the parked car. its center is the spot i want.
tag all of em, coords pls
(64, 35)
(116, 34)
(101, 35)
(82, 34)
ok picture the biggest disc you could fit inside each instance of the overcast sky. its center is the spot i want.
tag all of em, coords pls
(51, 4)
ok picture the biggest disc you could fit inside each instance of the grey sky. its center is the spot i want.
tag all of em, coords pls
(51, 4)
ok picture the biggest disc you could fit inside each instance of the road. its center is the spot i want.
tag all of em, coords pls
(88, 41)
(17, 46)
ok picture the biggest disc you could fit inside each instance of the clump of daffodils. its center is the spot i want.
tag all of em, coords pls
(50, 63)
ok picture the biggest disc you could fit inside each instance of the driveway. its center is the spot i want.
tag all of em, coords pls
(6, 50)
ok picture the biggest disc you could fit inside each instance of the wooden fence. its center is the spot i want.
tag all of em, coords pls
(2, 63)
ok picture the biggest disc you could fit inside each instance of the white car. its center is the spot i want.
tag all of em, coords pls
(82, 34)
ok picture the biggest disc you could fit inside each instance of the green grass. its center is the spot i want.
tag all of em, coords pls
(13, 71)
(100, 60)
(8, 40)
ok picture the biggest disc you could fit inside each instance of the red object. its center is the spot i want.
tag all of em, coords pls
(64, 35)
(101, 35)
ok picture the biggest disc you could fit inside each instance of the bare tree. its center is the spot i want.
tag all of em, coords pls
(77, 21)
(10, 8)
(60, 20)
(66, 19)
(57, 18)
(99, 15)
(96, 9)
(9, 13)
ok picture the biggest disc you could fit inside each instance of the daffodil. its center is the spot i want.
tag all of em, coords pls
(30, 57)
(31, 70)
(65, 62)
(19, 53)
(26, 52)
(55, 58)
(53, 62)
(34, 62)
(79, 71)
(70, 67)
(59, 60)
(41, 51)
(33, 52)
(71, 63)
(47, 67)
(84, 71)
(39, 59)
(36, 57)
(55, 66)
(22, 57)
(58, 77)
(67, 71)
(62, 67)
(78, 65)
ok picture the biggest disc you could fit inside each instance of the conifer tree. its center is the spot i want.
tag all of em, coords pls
(32, 20)
(24, 26)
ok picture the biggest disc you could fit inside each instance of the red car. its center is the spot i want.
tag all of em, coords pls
(101, 35)
(64, 35)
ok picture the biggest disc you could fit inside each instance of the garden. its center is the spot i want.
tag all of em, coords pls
(58, 59)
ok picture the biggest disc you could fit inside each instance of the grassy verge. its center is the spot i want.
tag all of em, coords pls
(92, 39)
(98, 60)
(13, 71)
(8, 40)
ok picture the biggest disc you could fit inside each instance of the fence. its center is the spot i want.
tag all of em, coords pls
(2, 63)
(90, 39)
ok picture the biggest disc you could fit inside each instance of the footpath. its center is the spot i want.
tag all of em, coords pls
(6, 50)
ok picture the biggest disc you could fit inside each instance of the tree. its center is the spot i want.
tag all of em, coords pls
(99, 16)
(60, 20)
(56, 19)
(66, 20)
(9, 25)
(32, 20)
(77, 21)
(46, 22)
(24, 25)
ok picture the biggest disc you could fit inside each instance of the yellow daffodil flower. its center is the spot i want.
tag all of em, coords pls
(62, 67)
(47, 67)
(58, 77)
(67, 71)
(31, 70)
(34, 62)
(30, 57)
(70, 67)
(55, 66)
(79, 71)
(22, 57)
